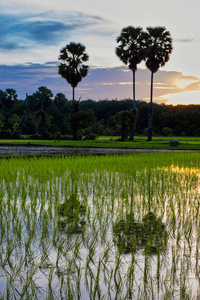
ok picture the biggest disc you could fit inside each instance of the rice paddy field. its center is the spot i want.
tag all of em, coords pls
(100, 227)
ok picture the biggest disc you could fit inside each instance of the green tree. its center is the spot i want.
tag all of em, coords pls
(43, 96)
(1, 125)
(40, 118)
(80, 119)
(8, 98)
(11, 95)
(124, 120)
(158, 50)
(2, 100)
(60, 100)
(71, 68)
(33, 103)
(131, 51)
(14, 122)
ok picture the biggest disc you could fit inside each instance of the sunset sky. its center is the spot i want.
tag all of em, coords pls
(33, 32)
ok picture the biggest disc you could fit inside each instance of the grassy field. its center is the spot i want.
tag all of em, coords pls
(100, 227)
(186, 143)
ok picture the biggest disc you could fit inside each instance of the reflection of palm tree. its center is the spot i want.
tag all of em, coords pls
(72, 68)
(159, 48)
(131, 51)
(149, 234)
(72, 212)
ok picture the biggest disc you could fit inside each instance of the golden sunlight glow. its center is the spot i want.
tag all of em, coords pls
(185, 98)
(125, 82)
(164, 87)
(106, 83)
(182, 84)
(182, 170)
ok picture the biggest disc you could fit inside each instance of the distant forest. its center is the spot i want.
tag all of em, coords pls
(42, 111)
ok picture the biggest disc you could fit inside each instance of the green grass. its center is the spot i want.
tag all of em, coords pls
(186, 143)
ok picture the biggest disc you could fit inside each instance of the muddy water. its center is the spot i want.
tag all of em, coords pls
(50, 150)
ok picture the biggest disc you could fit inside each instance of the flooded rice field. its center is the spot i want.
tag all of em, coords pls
(100, 227)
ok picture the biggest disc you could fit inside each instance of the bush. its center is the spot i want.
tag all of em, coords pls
(110, 132)
(197, 132)
(16, 134)
(35, 136)
(166, 131)
(48, 136)
(91, 136)
(59, 136)
(67, 137)
(5, 134)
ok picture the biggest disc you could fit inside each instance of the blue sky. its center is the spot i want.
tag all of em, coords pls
(33, 32)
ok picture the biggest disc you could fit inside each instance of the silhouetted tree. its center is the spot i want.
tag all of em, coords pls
(159, 48)
(131, 51)
(10, 98)
(72, 69)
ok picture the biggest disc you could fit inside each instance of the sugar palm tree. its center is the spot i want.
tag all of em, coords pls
(159, 48)
(71, 68)
(131, 51)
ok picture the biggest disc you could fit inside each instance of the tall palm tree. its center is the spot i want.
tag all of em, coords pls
(71, 68)
(159, 48)
(131, 51)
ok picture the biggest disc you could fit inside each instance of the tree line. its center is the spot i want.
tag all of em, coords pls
(43, 115)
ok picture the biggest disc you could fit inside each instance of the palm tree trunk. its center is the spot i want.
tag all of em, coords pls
(133, 88)
(73, 99)
(132, 132)
(150, 111)
(73, 88)
(73, 111)
(24, 114)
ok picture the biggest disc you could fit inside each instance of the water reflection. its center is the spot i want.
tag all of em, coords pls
(72, 212)
(150, 234)
(103, 235)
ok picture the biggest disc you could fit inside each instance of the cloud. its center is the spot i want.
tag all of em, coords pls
(188, 97)
(102, 83)
(184, 40)
(25, 31)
